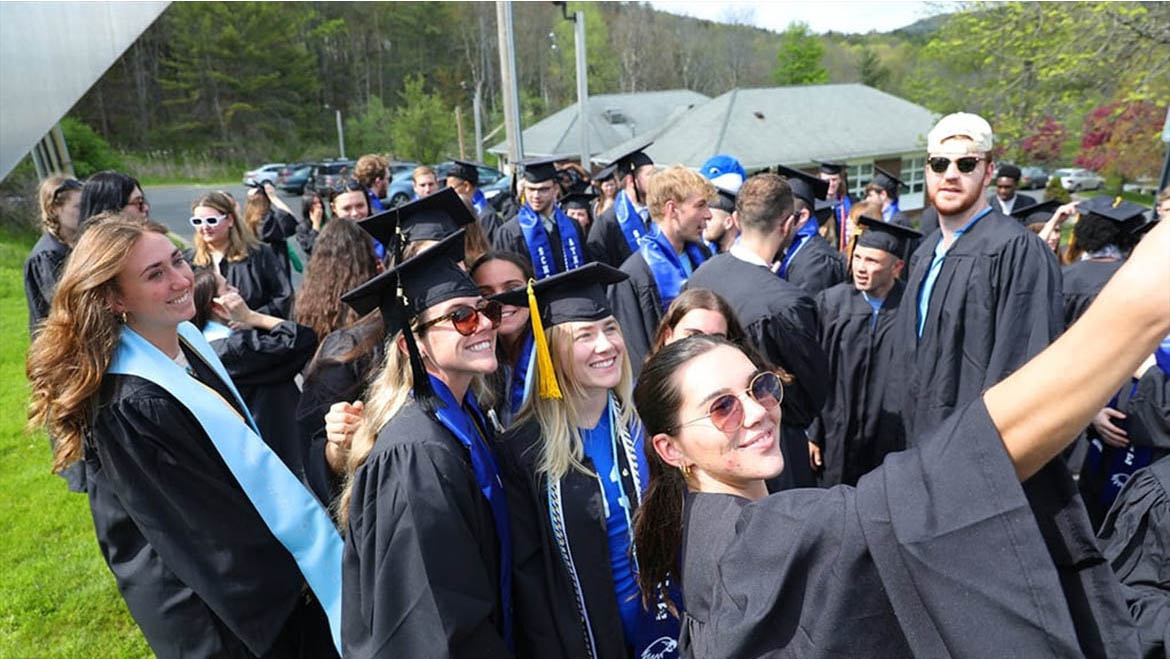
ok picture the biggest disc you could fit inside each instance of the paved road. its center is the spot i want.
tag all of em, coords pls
(171, 205)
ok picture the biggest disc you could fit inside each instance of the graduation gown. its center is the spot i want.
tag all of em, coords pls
(606, 242)
(545, 599)
(199, 570)
(274, 229)
(816, 267)
(782, 322)
(933, 554)
(995, 305)
(42, 269)
(262, 281)
(1081, 282)
(306, 237)
(328, 380)
(1136, 539)
(1022, 202)
(491, 222)
(510, 237)
(263, 365)
(851, 337)
(420, 572)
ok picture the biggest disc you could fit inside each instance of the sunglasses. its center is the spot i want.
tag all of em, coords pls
(966, 164)
(466, 318)
(726, 410)
(141, 204)
(211, 220)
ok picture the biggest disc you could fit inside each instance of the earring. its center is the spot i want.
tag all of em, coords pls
(122, 317)
(686, 470)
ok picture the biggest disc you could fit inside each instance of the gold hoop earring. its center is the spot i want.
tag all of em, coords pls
(686, 470)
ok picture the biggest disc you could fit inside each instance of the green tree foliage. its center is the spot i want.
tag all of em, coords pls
(422, 127)
(799, 60)
(870, 69)
(369, 131)
(1055, 190)
(89, 151)
(599, 63)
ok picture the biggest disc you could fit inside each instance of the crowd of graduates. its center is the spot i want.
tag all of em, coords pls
(643, 412)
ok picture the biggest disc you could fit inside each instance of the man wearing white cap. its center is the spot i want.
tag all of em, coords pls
(983, 297)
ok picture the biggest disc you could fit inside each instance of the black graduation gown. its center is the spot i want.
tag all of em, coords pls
(606, 242)
(816, 267)
(274, 229)
(262, 280)
(420, 570)
(306, 237)
(491, 222)
(511, 238)
(544, 599)
(327, 381)
(1136, 539)
(1022, 202)
(200, 571)
(1081, 282)
(995, 305)
(263, 365)
(42, 269)
(933, 554)
(850, 338)
(782, 322)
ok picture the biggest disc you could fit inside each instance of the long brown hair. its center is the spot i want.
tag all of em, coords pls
(51, 196)
(343, 258)
(73, 349)
(241, 240)
(256, 204)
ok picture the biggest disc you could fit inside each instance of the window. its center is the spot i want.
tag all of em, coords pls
(859, 175)
(914, 173)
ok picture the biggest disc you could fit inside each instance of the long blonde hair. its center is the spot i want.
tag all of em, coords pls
(241, 240)
(255, 206)
(560, 421)
(73, 349)
(48, 195)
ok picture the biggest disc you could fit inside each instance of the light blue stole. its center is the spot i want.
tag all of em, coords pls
(290, 511)
(214, 331)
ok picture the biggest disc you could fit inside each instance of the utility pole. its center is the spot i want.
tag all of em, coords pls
(508, 83)
(340, 134)
(459, 128)
(582, 91)
(476, 109)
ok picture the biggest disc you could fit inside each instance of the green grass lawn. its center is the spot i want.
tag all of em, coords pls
(57, 598)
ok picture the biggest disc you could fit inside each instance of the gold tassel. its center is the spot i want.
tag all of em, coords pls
(544, 366)
(1117, 202)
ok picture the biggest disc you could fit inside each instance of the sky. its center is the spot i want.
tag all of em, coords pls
(849, 16)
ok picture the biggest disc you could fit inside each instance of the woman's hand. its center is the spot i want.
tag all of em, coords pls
(1113, 435)
(234, 307)
(316, 213)
(341, 423)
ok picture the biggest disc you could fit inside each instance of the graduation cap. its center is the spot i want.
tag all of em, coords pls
(577, 200)
(466, 170)
(829, 167)
(1115, 209)
(724, 199)
(885, 236)
(433, 218)
(1043, 209)
(605, 174)
(575, 295)
(804, 185)
(822, 211)
(406, 290)
(537, 170)
(887, 181)
(632, 160)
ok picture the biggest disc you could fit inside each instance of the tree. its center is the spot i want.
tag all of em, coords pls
(799, 60)
(422, 127)
(1055, 190)
(369, 131)
(1046, 144)
(870, 69)
(1120, 140)
(89, 151)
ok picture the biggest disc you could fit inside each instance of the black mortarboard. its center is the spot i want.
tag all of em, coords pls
(432, 218)
(605, 173)
(887, 181)
(885, 236)
(1010, 171)
(406, 290)
(1113, 208)
(466, 170)
(822, 210)
(1042, 211)
(804, 186)
(724, 200)
(537, 170)
(577, 200)
(575, 295)
(632, 160)
(829, 167)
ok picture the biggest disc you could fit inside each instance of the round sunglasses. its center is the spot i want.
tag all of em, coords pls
(211, 220)
(726, 410)
(466, 318)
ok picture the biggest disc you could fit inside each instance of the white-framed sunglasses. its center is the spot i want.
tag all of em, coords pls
(211, 220)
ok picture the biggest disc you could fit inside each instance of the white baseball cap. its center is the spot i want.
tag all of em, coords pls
(960, 124)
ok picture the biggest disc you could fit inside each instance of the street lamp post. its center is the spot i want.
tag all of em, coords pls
(340, 131)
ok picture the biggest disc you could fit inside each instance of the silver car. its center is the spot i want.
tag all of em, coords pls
(1075, 178)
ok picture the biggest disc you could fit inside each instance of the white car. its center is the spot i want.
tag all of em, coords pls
(1075, 178)
(266, 172)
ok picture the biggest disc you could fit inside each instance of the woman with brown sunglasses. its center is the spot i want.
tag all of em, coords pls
(939, 552)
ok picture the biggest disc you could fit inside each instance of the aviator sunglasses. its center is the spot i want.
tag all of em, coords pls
(966, 164)
(466, 318)
(211, 220)
(726, 411)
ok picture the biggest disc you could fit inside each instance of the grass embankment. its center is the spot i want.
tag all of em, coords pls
(57, 598)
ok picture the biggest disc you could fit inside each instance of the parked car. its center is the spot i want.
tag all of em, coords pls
(398, 167)
(294, 180)
(325, 175)
(401, 188)
(266, 172)
(1076, 178)
(501, 185)
(487, 175)
(1033, 177)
